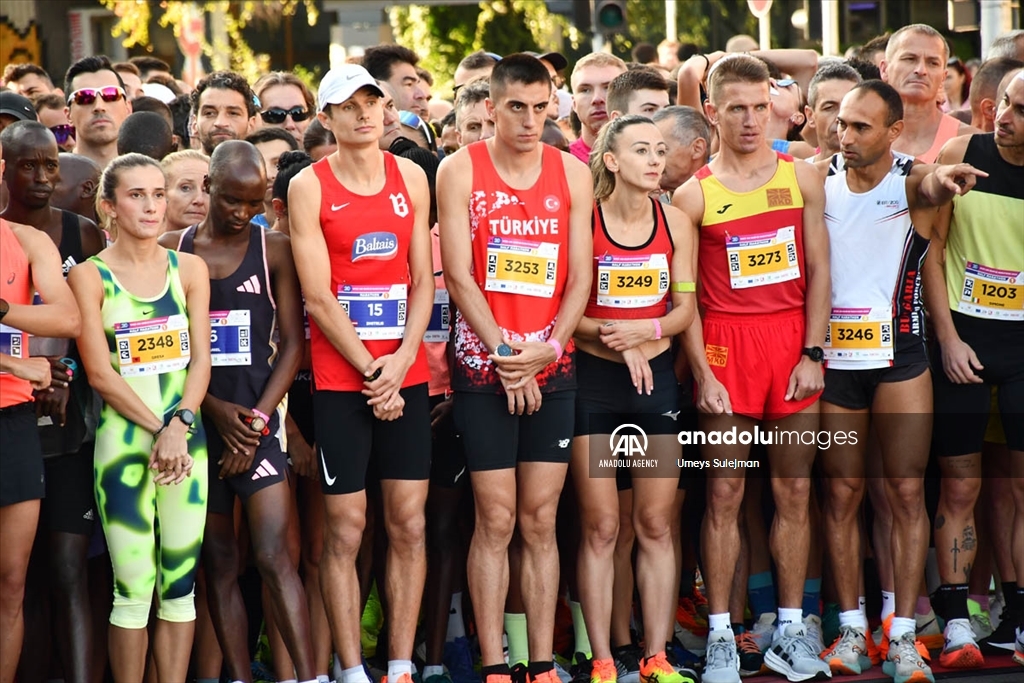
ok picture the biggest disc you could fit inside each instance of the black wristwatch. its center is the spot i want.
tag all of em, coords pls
(815, 353)
(186, 416)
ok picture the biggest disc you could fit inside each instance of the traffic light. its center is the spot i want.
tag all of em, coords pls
(610, 16)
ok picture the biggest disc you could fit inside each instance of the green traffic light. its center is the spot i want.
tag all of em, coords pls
(611, 17)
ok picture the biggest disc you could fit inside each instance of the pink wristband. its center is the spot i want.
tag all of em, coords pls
(657, 328)
(556, 346)
(258, 413)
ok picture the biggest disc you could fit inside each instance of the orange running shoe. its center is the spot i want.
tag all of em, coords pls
(547, 677)
(874, 652)
(657, 669)
(603, 671)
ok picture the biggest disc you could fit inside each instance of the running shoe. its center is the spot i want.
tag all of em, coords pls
(981, 625)
(602, 670)
(812, 626)
(582, 667)
(1003, 637)
(550, 676)
(1018, 647)
(793, 655)
(883, 641)
(763, 631)
(496, 678)
(519, 673)
(874, 654)
(657, 669)
(929, 631)
(961, 649)
(627, 663)
(751, 657)
(444, 677)
(682, 658)
(905, 663)
(458, 659)
(849, 653)
(404, 678)
(722, 664)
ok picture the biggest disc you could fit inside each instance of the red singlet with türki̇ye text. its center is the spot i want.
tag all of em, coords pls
(15, 288)
(751, 258)
(520, 262)
(368, 242)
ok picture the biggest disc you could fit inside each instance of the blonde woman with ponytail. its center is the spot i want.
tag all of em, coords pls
(643, 259)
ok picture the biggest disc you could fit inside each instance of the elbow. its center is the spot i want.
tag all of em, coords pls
(71, 322)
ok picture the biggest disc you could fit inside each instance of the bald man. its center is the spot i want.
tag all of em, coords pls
(252, 284)
(76, 189)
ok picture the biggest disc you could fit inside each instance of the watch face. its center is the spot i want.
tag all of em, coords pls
(817, 354)
(258, 424)
(186, 416)
(503, 350)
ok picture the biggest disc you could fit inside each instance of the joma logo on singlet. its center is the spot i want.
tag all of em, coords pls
(375, 245)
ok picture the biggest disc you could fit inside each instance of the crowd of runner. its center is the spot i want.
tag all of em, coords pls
(329, 386)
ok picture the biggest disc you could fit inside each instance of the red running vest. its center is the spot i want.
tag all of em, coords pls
(15, 288)
(368, 243)
(631, 283)
(751, 250)
(520, 262)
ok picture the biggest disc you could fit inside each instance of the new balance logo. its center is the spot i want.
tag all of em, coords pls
(564, 443)
(252, 285)
(89, 516)
(264, 469)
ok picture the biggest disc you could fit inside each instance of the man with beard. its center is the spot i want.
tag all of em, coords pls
(97, 106)
(224, 108)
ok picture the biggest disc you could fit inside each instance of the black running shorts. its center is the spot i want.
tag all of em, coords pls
(348, 434)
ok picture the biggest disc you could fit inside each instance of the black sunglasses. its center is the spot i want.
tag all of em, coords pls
(86, 96)
(278, 115)
(63, 132)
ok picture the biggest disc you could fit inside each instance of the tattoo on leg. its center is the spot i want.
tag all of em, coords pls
(967, 572)
(970, 540)
(956, 551)
(940, 522)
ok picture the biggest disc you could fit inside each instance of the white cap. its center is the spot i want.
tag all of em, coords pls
(342, 83)
(564, 104)
(159, 91)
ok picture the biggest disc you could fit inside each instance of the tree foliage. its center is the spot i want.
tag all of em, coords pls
(443, 34)
(134, 17)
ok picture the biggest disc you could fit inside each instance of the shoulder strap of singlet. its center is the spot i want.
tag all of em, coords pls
(263, 256)
(948, 128)
(661, 221)
(186, 241)
(833, 165)
(70, 236)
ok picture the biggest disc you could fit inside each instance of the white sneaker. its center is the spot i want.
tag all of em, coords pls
(812, 625)
(723, 664)
(849, 654)
(1018, 652)
(793, 656)
(961, 649)
(764, 630)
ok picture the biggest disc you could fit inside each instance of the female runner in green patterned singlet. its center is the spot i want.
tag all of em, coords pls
(146, 345)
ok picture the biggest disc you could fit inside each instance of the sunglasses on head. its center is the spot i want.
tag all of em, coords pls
(111, 93)
(784, 82)
(278, 115)
(63, 132)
